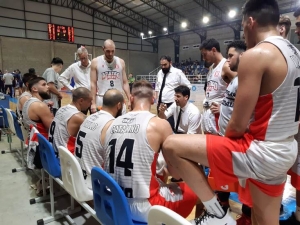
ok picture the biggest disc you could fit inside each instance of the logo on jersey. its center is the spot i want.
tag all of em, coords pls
(110, 75)
(128, 120)
(225, 187)
(217, 73)
(212, 86)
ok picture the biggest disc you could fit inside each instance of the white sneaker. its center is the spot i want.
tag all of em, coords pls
(209, 219)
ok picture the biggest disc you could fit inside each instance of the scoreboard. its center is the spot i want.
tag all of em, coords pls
(60, 33)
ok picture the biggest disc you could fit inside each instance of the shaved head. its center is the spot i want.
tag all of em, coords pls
(109, 43)
(112, 97)
(142, 90)
(79, 93)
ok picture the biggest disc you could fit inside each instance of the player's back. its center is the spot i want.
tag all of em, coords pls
(276, 115)
(88, 148)
(58, 132)
(129, 158)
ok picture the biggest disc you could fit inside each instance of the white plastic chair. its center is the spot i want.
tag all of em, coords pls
(159, 215)
(73, 181)
(10, 121)
(72, 176)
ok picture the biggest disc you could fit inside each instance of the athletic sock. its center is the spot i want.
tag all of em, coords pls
(297, 213)
(213, 206)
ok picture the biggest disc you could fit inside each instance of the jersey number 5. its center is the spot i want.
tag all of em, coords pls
(127, 164)
(79, 144)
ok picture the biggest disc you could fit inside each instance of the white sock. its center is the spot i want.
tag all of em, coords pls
(297, 213)
(214, 207)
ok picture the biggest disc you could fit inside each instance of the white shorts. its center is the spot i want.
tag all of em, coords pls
(209, 123)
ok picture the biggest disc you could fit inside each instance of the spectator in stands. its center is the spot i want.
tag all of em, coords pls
(31, 71)
(18, 83)
(51, 76)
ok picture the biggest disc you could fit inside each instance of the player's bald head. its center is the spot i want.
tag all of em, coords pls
(79, 93)
(109, 43)
(112, 97)
(142, 90)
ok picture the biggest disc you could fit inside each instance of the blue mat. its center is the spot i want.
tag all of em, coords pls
(289, 205)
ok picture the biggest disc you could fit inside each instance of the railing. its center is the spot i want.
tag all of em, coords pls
(194, 79)
(155, 71)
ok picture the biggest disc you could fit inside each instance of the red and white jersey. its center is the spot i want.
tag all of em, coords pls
(32, 147)
(129, 158)
(216, 86)
(276, 115)
(108, 78)
(58, 132)
(27, 121)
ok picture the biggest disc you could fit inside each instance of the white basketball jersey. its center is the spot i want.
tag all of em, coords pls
(276, 115)
(227, 104)
(216, 86)
(109, 77)
(129, 158)
(58, 133)
(215, 92)
(88, 149)
(27, 121)
(19, 110)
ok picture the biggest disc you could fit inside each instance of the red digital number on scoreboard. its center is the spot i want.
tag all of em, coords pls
(60, 33)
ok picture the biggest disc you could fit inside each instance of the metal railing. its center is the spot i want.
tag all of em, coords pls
(155, 71)
(194, 79)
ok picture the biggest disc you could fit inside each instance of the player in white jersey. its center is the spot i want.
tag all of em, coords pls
(257, 155)
(235, 51)
(133, 144)
(25, 95)
(67, 120)
(89, 146)
(108, 71)
(294, 219)
(218, 77)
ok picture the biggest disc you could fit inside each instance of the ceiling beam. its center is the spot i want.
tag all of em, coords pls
(144, 21)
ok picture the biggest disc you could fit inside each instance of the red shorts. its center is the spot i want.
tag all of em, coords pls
(177, 197)
(245, 159)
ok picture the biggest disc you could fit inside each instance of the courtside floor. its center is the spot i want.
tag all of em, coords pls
(15, 192)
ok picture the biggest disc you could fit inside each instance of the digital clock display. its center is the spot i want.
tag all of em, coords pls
(61, 33)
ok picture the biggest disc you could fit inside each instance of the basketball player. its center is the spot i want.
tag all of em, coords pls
(133, 144)
(294, 219)
(235, 51)
(108, 71)
(218, 77)
(26, 94)
(35, 111)
(90, 139)
(257, 154)
(284, 26)
(66, 123)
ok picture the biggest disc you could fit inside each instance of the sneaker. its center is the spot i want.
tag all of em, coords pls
(243, 220)
(290, 221)
(209, 219)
